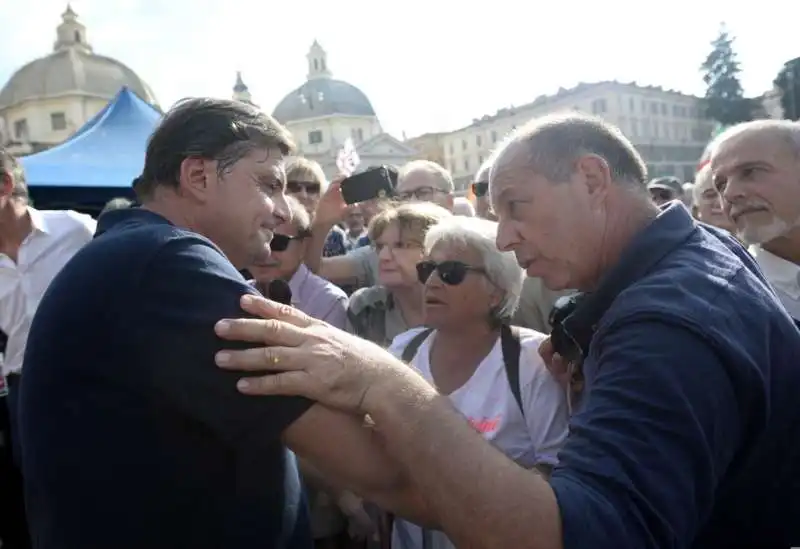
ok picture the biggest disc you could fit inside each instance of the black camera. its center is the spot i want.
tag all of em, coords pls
(564, 343)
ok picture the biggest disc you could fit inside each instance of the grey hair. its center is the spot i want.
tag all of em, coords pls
(300, 217)
(702, 180)
(119, 203)
(480, 235)
(441, 175)
(787, 130)
(462, 206)
(553, 144)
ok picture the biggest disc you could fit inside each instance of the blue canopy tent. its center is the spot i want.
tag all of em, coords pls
(97, 162)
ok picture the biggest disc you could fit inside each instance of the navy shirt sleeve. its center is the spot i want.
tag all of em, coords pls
(647, 450)
(185, 289)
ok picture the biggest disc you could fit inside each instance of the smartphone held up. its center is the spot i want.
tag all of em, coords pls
(373, 183)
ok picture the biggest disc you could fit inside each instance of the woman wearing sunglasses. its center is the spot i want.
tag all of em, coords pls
(470, 290)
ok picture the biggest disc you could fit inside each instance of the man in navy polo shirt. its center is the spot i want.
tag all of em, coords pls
(132, 438)
(688, 434)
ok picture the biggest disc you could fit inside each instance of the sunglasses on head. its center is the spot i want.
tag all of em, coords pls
(280, 242)
(480, 188)
(294, 187)
(451, 273)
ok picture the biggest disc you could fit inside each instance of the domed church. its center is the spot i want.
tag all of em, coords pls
(49, 98)
(324, 112)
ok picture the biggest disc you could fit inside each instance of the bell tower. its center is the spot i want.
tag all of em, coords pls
(71, 33)
(317, 62)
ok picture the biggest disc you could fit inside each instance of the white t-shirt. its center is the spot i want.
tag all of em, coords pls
(487, 402)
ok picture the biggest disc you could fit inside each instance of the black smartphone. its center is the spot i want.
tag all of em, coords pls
(369, 184)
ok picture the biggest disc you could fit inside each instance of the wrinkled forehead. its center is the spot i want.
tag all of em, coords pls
(747, 147)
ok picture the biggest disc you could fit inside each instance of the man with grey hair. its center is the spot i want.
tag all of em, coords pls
(426, 181)
(121, 388)
(689, 367)
(756, 169)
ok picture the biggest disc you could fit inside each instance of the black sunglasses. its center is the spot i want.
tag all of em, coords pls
(298, 186)
(280, 242)
(451, 273)
(480, 188)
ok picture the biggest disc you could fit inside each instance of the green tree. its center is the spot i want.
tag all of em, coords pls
(788, 83)
(724, 100)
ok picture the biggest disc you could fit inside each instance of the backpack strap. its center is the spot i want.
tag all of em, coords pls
(510, 344)
(413, 346)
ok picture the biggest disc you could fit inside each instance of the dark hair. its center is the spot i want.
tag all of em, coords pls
(555, 142)
(10, 166)
(215, 129)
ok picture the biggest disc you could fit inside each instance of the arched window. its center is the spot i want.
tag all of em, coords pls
(78, 36)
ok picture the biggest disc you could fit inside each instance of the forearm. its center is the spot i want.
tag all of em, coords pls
(481, 498)
(341, 453)
(316, 245)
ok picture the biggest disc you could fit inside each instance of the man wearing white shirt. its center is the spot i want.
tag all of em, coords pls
(34, 246)
(756, 168)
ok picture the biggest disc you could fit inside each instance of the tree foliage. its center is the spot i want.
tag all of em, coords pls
(724, 100)
(788, 83)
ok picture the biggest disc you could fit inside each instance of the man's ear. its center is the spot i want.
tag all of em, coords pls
(193, 180)
(595, 174)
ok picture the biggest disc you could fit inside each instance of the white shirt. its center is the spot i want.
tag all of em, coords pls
(55, 238)
(487, 402)
(784, 276)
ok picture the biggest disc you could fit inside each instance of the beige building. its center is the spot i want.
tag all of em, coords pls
(430, 146)
(322, 113)
(46, 100)
(666, 126)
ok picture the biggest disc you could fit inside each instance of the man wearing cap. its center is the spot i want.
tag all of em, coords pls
(665, 189)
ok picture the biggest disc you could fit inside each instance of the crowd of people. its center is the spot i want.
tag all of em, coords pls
(583, 357)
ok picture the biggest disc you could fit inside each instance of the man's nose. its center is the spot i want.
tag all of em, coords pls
(507, 237)
(732, 192)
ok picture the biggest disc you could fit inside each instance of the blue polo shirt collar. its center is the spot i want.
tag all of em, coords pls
(111, 219)
(670, 229)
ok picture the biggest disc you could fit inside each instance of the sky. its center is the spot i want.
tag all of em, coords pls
(426, 65)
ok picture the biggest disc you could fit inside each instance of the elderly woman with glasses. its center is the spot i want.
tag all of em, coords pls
(492, 372)
(378, 313)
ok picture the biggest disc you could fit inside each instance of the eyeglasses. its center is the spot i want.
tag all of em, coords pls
(451, 273)
(420, 193)
(295, 187)
(280, 242)
(480, 188)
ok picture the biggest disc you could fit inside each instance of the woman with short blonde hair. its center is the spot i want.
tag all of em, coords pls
(380, 312)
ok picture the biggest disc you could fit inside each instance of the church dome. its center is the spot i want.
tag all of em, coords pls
(72, 68)
(322, 95)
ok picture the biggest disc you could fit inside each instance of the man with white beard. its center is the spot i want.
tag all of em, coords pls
(756, 168)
